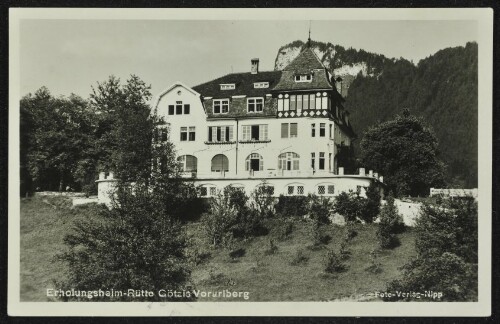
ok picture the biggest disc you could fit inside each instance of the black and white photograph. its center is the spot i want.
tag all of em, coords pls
(206, 161)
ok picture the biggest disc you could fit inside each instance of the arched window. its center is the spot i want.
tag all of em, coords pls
(288, 161)
(189, 163)
(220, 163)
(254, 162)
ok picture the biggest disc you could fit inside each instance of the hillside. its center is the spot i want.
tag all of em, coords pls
(441, 88)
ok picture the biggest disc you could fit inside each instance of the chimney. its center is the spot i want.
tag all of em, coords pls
(255, 66)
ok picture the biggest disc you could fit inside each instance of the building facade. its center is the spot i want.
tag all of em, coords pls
(285, 128)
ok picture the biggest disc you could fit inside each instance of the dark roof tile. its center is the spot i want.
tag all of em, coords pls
(244, 84)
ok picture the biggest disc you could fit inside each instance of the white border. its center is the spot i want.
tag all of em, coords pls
(484, 18)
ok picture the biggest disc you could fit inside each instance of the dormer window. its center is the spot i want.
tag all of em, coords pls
(221, 106)
(255, 104)
(303, 78)
(261, 85)
(228, 86)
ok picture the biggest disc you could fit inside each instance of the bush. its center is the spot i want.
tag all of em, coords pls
(344, 251)
(333, 263)
(319, 237)
(299, 258)
(218, 223)
(375, 265)
(292, 206)
(272, 248)
(350, 233)
(349, 205)
(284, 229)
(263, 200)
(391, 223)
(446, 245)
(319, 209)
(371, 205)
(137, 244)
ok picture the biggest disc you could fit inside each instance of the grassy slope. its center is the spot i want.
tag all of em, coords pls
(266, 277)
(272, 278)
(44, 223)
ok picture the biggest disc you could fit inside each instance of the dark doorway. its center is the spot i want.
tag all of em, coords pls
(254, 164)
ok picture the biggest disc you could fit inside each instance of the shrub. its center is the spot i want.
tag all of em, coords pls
(263, 200)
(292, 206)
(238, 253)
(218, 223)
(272, 248)
(350, 233)
(446, 245)
(284, 230)
(319, 237)
(371, 205)
(349, 205)
(375, 265)
(299, 258)
(344, 251)
(391, 223)
(333, 263)
(319, 209)
(136, 244)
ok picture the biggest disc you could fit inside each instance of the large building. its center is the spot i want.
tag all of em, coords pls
(282, 127)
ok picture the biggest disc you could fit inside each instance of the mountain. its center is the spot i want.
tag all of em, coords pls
(441, 88)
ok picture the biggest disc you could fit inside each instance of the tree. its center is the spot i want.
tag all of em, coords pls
(391, 223)
(124, 127)
(139, 243)
(404, 150)
(371, 206)
(447, 246)
(350, 205)
(56, 133)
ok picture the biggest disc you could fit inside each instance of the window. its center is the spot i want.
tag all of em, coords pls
(303, 78)
(187, 109)
(300, 190)
(330, 133)
(321, 190)
(184, 134)
(313, 161)
(178, 108)
(322, 129)
(221, 106)
(254, 133)
(288, 161)
(288, 130)
(255, 104)
(213, 191)
(188, 163)
(203, 191)
(254, 162)
(293, 102)
(290, 190)
(330, 161)
(321, 160)
(331, 189)
(192, 133)
(220, 133)
(261, 85)
(229, 86)
(313, 130)
(171, 109)
(220, 163)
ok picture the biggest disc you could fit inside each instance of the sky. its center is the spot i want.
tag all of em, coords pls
(70, 56)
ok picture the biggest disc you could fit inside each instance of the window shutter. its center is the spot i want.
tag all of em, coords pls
(261, 164)
(263, 132)
(210, 134)
(284, 130)
(214, 134)
(293, 130)
(223, 134)
(246, 132)
(230, 131)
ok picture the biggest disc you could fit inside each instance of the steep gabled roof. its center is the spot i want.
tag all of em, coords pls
(244, 84)
(306, 60)
(305, 63)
